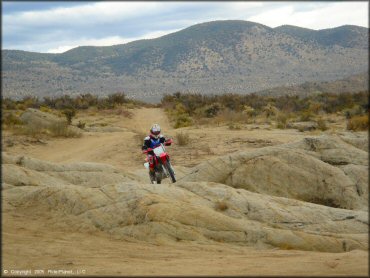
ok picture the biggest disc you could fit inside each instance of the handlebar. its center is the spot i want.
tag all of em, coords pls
(166, 143)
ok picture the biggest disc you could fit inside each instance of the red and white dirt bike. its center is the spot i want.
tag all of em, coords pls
(162, 165)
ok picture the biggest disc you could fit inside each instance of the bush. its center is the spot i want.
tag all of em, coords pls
(31, 129)
(306, 116)
(81, 125)
(250, 111)
(212, 110)
(183, 120)
(182, 139)
(281, 119)
(10, 119)
(234, 126)
(69, 113)
(321, 124)
(116, 98)
(63, 130)
(358, 123)
(270, 110)
(231, 117)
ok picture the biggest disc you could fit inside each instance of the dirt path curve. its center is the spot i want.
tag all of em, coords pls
(120, 149)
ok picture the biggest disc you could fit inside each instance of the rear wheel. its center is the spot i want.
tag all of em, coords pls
(170, 171)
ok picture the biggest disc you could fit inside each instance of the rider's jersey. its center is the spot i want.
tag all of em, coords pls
(151, 142)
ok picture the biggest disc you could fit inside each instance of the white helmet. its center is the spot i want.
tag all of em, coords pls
(155, 130)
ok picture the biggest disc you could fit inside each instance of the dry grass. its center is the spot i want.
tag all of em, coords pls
(182, 139)
(234, 126)
(59, 129)
(357, 123)
(229, 116)
(321, 124)
(10, 119)
(32, 129)
(63, 130)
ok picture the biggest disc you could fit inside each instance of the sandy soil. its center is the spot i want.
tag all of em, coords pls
(29, 243)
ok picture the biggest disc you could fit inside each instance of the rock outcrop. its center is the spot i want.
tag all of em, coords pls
(321, 170)
(214, 202)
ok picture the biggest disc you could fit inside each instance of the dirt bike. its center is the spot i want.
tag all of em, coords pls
(162, 165)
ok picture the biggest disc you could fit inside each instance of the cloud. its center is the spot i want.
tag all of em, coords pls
(107, 41)
(54, 28)
(316, 17)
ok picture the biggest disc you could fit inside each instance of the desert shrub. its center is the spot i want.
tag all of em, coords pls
(45, 109)
(182, 139)
(234, 126)
(306, 116)
(104, 104)
(31, 129)
(61, 129)
(69, 114)
(354, 111)
(183, 120)
(10, 119)
(281, 119)
(63, 102)
(250, 111)
(231, 117)
(321, 124)
(179, 116)
(116, 98)
(81, 125)
(270, 110)
(8, 104)
(358, 123)
(31, 102)
(212, 110)
(314, 107)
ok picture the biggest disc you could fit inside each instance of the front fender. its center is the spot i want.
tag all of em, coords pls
(163, 157)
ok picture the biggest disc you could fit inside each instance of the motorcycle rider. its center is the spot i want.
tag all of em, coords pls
(154, 139)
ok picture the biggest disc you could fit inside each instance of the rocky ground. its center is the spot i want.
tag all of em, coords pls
(270, 202)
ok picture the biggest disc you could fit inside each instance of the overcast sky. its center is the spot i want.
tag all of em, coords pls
(61, 25)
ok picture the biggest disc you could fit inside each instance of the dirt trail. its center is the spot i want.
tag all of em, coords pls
(144, 118)
(120, 149)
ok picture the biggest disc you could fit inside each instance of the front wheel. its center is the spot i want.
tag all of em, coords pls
(158, 177)
(169, 169)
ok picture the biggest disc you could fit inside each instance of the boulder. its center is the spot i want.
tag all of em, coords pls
(38, 118)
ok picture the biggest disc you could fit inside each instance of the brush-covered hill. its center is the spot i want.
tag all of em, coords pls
(352, 84)
(212, 57)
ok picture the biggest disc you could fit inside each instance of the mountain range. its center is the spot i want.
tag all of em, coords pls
(216, 57)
